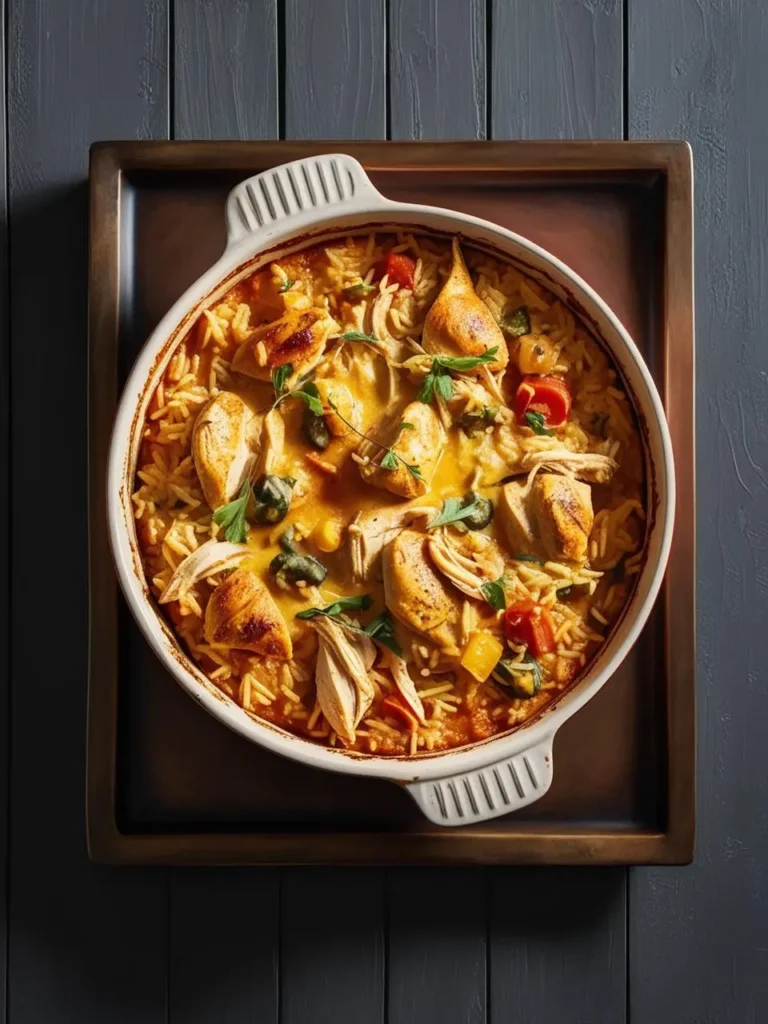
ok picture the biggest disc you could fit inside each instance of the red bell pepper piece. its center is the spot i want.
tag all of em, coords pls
(549, 396)
(526, 623)
(400, 268)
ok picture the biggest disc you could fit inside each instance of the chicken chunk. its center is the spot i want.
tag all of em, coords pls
(419, 445)
(552, 520)
(416, 593)
(562, 508)
(241, 613)
(222, 447)
(298, 338)
(459, 322)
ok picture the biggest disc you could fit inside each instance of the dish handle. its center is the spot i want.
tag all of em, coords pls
(293, 191)
(488, 792)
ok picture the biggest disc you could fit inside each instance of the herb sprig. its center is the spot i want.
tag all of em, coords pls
(439, 377)
(280, 378)
(358, 603)
(358, 336)
(535, 421)
(233, 516)
(390, 458)
(453, 511)
(381, 629)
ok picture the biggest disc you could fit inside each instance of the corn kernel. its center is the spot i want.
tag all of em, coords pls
(327, 535)
(481, 655)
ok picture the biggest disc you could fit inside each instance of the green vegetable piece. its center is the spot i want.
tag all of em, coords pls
(297, 568)
(389, 461)
(494, 594)
(272, 496)
(523, 678)
(286, 286)
(406, 426)
(460, 364)
(516, 322)
(535, 421)
(438, 379)
(529, 558)
(233, 516)
(473, 423)
(286, 541)
(455, 510)
(482, 511)
(360, 602)
(314, 427)
(355, 292)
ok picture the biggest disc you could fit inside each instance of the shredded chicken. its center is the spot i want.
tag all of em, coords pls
(370, 531)
(344, 688)
(212, 557)
(596, 469)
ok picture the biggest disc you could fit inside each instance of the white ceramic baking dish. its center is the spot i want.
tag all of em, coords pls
(286, 209)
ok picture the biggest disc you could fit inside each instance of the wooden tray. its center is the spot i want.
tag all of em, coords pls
(166, 784)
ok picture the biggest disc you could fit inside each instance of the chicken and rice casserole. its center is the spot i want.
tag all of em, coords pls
(390, 494)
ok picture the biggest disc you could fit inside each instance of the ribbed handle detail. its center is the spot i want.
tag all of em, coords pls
(487, 792)
(292, 190)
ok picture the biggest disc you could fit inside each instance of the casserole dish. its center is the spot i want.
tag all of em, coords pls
(312, 201)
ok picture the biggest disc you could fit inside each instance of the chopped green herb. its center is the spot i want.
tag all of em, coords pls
(314, 427)
(529, 558)
(535, 421)
(438, 379)
(382, 630)
(516, 322)
(389, 461)
(415, 471)
(523, 677)
(361, 602)
(280, 377)
(453, 511)
(407, 426)
(473, 423)
(494, 594)
(358, 336)
(355, 292)
(287, 284)
(233, 516)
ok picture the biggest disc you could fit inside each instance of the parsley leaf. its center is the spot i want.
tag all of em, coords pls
(232, 516)
(444, 386)
(313, 403)
(415, 471)
(427, 390)
(280, 377)
(355, 292)
(287, 284)
(382, 630)
(460, 364)
(453, 511)
(358, 336)
(535, 421)
(494, 594)
(407, 426)
(389, 461)
(360, 602)
(528, 558)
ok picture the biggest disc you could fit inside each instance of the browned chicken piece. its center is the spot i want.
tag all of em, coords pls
(416, 593)
(562, 508)
(419, 445)
(459, 322)
(514, 516)
(241, 613)
(298, 338)
(553, 520)
(222, 447)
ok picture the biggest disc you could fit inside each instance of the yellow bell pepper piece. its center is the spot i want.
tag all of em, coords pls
(481, 655)
(327, 535)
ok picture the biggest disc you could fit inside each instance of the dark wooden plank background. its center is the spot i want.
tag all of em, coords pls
(89, 944)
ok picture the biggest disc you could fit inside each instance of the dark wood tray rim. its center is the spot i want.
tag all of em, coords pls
(480, 844)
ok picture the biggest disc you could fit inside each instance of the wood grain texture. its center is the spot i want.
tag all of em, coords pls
(556, 69)
(557, 946)
(438, 69)
(225, 69)
(332, 961)
(699, 935)
(223, 947)
(79, 935)
(335, 69)
(437, 958)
